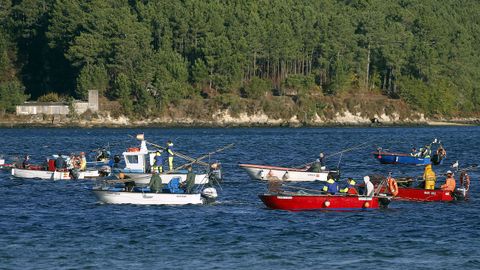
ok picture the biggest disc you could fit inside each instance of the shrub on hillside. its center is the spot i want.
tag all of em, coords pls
(231, 102)
(49, 97)
(301, 84)
(278, 107)
(256, 88)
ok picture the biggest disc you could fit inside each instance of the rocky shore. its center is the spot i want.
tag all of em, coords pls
(225, 119)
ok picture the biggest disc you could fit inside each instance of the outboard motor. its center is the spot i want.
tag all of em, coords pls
(460, 194)
(209, 194)
(104, 171)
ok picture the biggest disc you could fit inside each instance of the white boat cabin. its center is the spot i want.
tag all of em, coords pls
(138, 160)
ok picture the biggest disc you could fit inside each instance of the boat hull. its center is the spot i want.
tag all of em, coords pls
(40, 174)
(396, 158)
(143, 198)
(423, 195)
(144, 178)
(319, 202)
(52, 175)
(263, 172)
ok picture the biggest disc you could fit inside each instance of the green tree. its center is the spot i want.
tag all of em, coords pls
(11, 94)
(92, 77)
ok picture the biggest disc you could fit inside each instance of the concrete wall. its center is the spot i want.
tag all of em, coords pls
(93, 100)
(81, 107)
(29, 109)
(32, 108)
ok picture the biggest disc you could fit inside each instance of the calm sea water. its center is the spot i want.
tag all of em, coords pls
(61, 225)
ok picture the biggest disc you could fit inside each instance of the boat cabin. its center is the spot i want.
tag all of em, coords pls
(138, 160)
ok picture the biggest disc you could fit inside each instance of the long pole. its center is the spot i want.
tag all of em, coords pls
(177, 153)
(338, 153)
(204, 156)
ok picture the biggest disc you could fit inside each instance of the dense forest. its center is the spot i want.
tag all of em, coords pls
(149, 55)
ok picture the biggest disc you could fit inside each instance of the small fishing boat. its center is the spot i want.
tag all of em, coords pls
(300, 202)
(421, 157)
(415, 193)
(150, 198)
(294, 198)
(172, 194)
(37, 173)
(399, 158)
(265, 172)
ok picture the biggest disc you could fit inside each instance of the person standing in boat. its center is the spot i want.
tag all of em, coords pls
(426, 152)
(331, 186)
(323, 165)
(155, 183)
(26, 162)
(83, 162)
(157, 163)
(190, 182)
(316, 167)
(369, 188)
(349, 188)
(60, 163)
(429, 177)
(449, 182)
(170, 155)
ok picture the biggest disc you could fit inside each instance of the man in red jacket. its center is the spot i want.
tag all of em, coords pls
(449, 183)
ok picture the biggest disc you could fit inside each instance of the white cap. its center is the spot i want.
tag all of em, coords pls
(366, 178)
(449, 172)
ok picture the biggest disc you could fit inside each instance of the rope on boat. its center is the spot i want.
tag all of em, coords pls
(202, 157)
(360, 146)
(176, 153)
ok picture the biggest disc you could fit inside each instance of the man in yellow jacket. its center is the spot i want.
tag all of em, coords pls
(170, 155)
(429, 177)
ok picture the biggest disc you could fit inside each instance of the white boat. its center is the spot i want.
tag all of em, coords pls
(138, 163)
(150, 198)
(52, 175)
(265, 172)
(40, 174)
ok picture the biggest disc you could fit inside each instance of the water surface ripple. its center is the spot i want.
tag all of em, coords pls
(60, 225)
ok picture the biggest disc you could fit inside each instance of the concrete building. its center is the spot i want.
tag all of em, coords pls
(59, 108)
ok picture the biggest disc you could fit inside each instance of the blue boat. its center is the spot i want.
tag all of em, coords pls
(399, 158)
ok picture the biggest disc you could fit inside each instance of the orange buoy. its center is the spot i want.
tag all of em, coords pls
(392, 186)
(366, 205)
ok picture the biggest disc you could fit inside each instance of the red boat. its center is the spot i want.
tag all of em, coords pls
(423, 195)
(298, 202)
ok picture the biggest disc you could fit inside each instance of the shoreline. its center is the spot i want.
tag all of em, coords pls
(212, 124)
